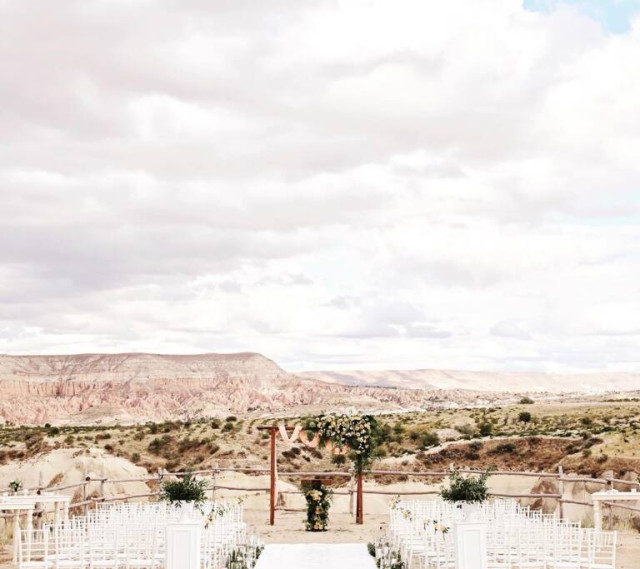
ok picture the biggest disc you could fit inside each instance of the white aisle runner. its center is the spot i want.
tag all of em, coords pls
(316, 556)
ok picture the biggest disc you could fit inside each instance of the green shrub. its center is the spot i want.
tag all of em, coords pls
(371, 548)
(505, 448)
(185, 489)
(380, 452)
(468, 489)
(526, 401)
(429, 439)
(524, 417)
(466, 430)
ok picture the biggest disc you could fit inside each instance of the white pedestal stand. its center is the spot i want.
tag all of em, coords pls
(183, 545)
(470, 545)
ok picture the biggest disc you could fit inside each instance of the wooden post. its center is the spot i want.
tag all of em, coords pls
(84, 492)
(359, 505)
(609, 508)
(102, 481)
(272, 495)
(213, 486)
(351, 485)
(561, 490)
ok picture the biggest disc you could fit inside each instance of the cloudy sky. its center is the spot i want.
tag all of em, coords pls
(335, 184)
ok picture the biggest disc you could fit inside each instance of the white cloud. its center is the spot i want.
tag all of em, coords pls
(353, 184)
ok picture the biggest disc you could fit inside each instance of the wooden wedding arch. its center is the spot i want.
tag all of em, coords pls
(273, 431)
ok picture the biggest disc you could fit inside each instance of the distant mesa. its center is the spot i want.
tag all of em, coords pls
(515, 382)
(134, 387)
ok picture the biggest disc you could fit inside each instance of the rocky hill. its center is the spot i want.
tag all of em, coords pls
(91, 388)
(128, 388)
(483, 381)
(131, 388)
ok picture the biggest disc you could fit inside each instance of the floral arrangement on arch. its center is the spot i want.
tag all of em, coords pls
(318, 503)
(354, 433)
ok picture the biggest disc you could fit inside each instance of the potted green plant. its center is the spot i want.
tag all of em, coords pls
(185, 490)
(466, 491)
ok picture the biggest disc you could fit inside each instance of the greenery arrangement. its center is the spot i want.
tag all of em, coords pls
(220, 509)
(15, 485)
(185, 489)
(470, 489)
(318, 503)
(386, 556)
(356, 433)
(244, 557)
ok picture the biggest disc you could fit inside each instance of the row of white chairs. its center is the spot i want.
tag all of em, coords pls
(517, 538)
(130, 536)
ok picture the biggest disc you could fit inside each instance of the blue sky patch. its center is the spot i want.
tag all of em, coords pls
(613, 15)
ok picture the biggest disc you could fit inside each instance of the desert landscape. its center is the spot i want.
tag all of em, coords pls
(131, 418)
(326, 284)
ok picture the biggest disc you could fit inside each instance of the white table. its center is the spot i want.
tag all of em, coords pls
(27, 503)
(609, 496)
(18, 508)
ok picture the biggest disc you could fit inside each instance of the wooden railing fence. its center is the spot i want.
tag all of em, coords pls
(87, 500)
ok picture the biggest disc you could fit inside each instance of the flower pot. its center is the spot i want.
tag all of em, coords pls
(470, 511)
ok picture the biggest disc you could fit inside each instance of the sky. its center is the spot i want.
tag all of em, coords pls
(363, 184)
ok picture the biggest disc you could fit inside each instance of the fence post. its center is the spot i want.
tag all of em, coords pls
(85, 479)
(561, 490)
(213, 486)
(102, 482)
(609, 508)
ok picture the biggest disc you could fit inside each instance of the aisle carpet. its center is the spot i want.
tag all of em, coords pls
(316, 556)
